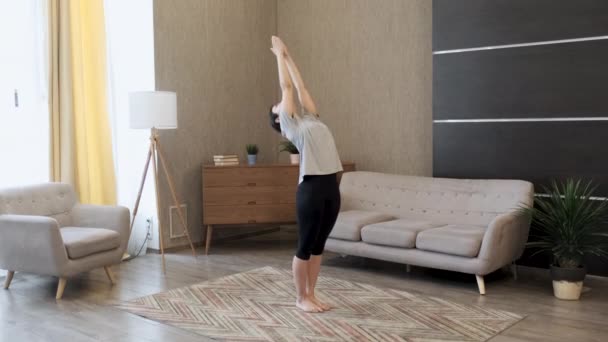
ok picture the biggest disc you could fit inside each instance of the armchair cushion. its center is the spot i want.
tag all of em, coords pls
(81, 242)
(114, 218)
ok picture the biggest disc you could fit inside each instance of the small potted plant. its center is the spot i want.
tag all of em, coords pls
(569, 224)
(288, 146)
(252, 153)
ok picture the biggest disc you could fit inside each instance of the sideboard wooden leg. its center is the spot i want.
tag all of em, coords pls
(208, 239)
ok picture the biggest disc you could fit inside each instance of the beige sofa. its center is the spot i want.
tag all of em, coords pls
(468, 226)
(44, 230)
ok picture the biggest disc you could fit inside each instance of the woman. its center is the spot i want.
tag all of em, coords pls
(318, 195)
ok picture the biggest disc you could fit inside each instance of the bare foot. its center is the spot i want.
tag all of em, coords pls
(320, 304)
(307, 305)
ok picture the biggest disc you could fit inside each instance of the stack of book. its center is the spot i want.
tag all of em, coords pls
(226, 160)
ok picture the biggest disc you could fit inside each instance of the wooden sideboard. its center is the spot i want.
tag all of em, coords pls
(242, 194)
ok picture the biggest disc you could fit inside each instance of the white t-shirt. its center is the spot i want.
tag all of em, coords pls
(318, 152)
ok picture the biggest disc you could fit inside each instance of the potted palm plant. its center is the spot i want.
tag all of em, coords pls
(294, 154)
(252, 153)
(569, 224)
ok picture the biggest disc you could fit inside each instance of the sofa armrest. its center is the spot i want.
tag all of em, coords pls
(31, 244)
(505, 239)
(116, 218)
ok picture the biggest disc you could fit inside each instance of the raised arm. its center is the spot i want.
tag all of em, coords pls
(303, 94)
(287, 97)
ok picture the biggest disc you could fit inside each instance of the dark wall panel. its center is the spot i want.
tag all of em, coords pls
(558, 80)
(534, 151)
(461, 24)
(551, 81)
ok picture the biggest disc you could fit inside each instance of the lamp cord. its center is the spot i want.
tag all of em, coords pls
(142, 245)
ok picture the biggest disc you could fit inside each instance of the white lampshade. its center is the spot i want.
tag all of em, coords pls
(153, 109)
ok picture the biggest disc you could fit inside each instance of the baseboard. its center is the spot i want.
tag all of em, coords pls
(534, 270)
(174, 249)
(248, 234)
(227, 238)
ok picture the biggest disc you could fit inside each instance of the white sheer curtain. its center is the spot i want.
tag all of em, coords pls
(130, 37)
(24, 116)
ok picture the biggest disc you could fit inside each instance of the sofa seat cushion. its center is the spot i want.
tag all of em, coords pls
(349, 223)
(461, 240)
(81, 242)
(396, 233)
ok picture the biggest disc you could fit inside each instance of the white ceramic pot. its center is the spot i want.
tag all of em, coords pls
(568, 282)
(295, 158)
(567, 290)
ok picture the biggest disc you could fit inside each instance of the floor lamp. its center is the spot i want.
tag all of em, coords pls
(156, 110)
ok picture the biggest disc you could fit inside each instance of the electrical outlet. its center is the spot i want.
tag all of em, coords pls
(176, 229)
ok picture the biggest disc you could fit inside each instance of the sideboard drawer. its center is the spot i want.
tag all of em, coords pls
(249, 195)
(249, 214)
(250, 176)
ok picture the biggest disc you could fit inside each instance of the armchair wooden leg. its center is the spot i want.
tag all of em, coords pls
(481, 284)
(110, 274)
(61, 287)
(9, 278)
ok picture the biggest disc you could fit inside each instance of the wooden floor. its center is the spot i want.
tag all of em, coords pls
(29, 312)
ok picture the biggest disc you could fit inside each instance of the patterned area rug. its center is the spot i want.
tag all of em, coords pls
(259, 306)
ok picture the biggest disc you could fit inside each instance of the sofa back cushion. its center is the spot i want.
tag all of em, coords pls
(50, 199)
(438, 200)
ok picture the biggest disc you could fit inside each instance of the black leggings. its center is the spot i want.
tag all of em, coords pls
(318, 204)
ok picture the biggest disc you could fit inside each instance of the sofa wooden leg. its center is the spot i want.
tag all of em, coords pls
(9, 278)
(208, 239)
(514, 270)
(60, 288)
(110, 274)
(408, 268)
(481, 284)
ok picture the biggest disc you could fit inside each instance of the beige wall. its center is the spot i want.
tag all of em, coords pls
(215, 55)
(368, 65)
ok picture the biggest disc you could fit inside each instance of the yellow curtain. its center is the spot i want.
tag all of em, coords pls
(81, 137)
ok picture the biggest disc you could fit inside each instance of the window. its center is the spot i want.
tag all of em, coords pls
(130, 42)
(24, 114)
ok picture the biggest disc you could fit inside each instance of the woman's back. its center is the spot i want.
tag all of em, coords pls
(318, 151)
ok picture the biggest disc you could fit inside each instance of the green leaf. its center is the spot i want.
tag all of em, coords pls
(288, 146)
(568, 223)
(252, 148)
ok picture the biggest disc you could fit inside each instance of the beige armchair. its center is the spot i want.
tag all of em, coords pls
(44, 230)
